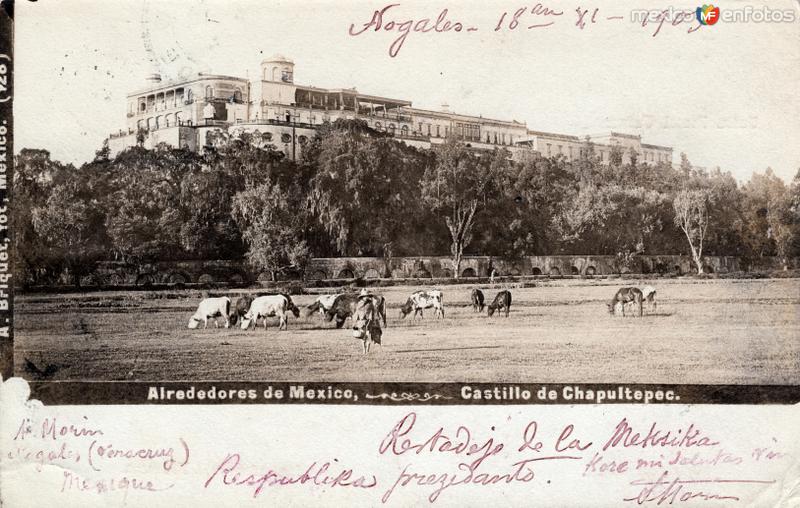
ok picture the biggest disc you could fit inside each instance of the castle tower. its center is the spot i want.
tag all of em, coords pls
(277, 68)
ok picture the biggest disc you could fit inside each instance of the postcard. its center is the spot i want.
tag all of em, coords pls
(399, 254)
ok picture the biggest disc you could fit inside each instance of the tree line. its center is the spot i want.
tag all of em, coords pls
(359, 192)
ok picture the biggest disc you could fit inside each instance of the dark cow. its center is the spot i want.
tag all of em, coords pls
(625, 296)
(345, 307)
(501, 302)
(477, 300)
(366, 321)
(241, 308)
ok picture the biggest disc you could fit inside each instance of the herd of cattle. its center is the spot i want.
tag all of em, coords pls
(367, 311)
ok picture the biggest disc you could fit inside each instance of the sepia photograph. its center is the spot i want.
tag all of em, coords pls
(406, 193)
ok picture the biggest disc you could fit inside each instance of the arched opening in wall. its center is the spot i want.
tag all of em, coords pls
(189, 96)
(205, 279)
(151, 123)
(266, 137)
(447, 273)
(237, 95)
(209, 92)
(391, 129)
(555, 271)
(468, 272)
(166, 120)
(177, 278)
(536, 271)
(677, 270)
(661, 268)
(346, 274)
(574, 270)
(591, 270)
(178, 119)
(139, 125)
(318, 275)
(372, 274)
(378, 126)
(159, 121)
(404, 130)
(708, 269)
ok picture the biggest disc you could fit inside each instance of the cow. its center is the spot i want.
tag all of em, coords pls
(420, 300)
(501, 302)
(649, 295)
(268, 306)
(211, 308)
(241, 308)
(366, 321)
(624, 296)
(322, 304)
(344, 307)
(477, 300)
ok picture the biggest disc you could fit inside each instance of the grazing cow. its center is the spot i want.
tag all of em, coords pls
(477, 300)
(501, 302)
(322, 304)
(211, 308)
(649, 295)
(241, 308)
(366, 322)
(625, 296)
(344, 306)
(420, 300)
(268, 306)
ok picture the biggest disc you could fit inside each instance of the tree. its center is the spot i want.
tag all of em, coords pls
(691, 215)
(272, 225)
(71, 228)
(365, 190)
(458, 186)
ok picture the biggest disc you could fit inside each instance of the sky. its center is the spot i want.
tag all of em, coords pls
(725, 94)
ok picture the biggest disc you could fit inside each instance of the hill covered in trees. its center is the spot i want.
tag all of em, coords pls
(358, 192)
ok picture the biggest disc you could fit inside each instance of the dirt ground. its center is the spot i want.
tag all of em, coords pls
(704, 331)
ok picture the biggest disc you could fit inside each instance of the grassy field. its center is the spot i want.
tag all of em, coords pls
(705, 331)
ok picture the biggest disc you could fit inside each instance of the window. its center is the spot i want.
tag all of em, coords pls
(504, 138)
(209, 92)
(488, 138)
(286, 138)
(420, 127)
(437, 132)
(549, 151)
(159, 121)
(429, 129)
(237, 95)
(166, 120)
(404, 130)
(391, 128)
(189, 96)
(377, 126)
(302, 140)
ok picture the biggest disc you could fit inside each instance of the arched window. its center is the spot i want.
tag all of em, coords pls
(189, 96)
(391, 128)
(166, 120)
(237, 95)
(404, 130)
(377, 126)
(209, 92)
(138, 125)
(151, 123)
(159, 121)
(178, 119)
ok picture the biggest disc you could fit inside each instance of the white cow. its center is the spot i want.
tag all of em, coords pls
(211, 308)
(649, 295)
(420, 300)
(322, 304)
(270, 306)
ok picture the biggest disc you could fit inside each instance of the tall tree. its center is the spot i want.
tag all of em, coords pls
(691, 216)
(458, 187)
(273, 226)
